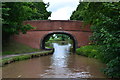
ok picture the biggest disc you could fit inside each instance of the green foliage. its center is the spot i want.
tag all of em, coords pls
(77, 15)
(14, 13)
(40, 10)
(109, 52)
(89, 51)
(112, 67)
(105, 24)
(16, 48)
(22, 57)
(5, 61)
(58, 37)
(7, 52)
(61, 39)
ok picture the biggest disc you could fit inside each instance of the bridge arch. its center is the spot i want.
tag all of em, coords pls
(34, 38)
(42, 45)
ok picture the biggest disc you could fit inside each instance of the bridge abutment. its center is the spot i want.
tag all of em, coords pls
(35, 38)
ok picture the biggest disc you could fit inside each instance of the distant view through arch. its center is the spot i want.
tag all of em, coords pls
(35, 38)
(74, 41)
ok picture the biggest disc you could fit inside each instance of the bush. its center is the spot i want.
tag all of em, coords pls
(89, 51)
(101, 53)
(113, 68)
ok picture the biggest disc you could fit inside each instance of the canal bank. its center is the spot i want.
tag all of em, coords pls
(7, 59)
(61, 64)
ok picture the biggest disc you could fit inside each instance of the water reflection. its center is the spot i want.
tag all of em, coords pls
(59, 67)
(61, 64)
(59, 58)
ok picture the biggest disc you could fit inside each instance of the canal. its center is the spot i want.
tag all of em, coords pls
(61, 64)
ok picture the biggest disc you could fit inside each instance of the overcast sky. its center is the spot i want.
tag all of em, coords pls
(61, 9)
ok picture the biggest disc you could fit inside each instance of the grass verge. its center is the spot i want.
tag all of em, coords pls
(5, 61)
(14, 47)
(91, 51)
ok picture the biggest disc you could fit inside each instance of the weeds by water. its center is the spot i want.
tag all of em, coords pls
(5, 61)
(89, 51)
(94, 51)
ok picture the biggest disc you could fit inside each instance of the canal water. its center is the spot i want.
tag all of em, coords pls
(61, 64)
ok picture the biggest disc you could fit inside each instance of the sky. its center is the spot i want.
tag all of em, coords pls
(61, 9)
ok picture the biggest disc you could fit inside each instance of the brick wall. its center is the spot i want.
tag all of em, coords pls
(53, 25)
(43, 27)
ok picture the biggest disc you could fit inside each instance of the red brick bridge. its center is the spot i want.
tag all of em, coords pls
(36, 38)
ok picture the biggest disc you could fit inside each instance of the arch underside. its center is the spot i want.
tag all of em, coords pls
(42, 45)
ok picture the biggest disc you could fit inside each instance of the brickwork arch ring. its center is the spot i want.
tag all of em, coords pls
(42, 45)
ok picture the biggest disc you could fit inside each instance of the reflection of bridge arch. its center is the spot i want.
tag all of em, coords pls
(75, 29)
(59, 32)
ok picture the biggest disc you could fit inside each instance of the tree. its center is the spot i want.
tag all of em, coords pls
(41, 11)
(14, 13)
(105, 20)
(76, 15)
